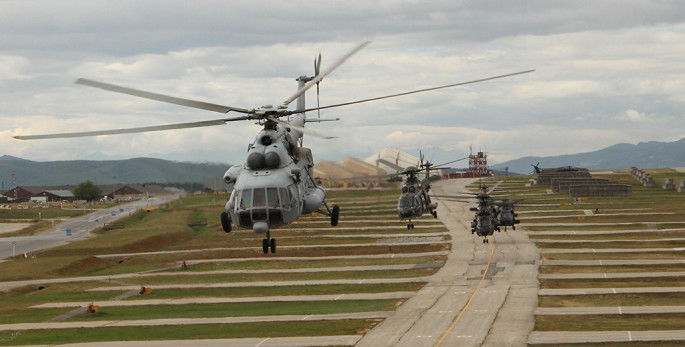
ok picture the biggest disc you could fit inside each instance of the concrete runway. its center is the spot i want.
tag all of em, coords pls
(455, 308)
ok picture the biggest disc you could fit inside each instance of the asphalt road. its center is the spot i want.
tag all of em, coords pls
(80, 228)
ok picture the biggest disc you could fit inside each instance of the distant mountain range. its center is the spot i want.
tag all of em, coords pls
(136, 170)
(621, 156)
(147, 170)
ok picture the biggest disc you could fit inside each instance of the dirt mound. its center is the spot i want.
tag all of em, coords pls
(348, 167)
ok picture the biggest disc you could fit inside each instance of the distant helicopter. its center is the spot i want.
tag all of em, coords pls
(415, 200)
(485, 222)
(536, 168)
(490, 214)
(506, 215)
(276, 185)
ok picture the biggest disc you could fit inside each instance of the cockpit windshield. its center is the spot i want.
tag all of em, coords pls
(265, 197)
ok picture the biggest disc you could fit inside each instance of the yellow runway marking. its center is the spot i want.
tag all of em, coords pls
(485, 273)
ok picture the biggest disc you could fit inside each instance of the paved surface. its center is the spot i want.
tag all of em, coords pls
(609, 262)
(499, 312)
(552, 337)
(80, 228)
(594, 291)
(227, 300)
(12, 227)
(612, 275)
(564, 311)
(389, 240)
(599, 232)
(609, 250)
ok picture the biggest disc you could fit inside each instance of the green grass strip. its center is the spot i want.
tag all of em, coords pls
(610, 322)
(185, 332)
(237, 309)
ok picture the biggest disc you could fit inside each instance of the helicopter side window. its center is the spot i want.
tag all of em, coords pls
(285, 198)
(245, 199)
(272, 197)
(292, 189)
(259, 197)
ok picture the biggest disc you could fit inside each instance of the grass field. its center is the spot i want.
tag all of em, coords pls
(158, 242)
(577, 223)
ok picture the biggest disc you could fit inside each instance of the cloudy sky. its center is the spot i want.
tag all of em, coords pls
(607, 72)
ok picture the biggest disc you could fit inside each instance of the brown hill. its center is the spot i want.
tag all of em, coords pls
(329, 172)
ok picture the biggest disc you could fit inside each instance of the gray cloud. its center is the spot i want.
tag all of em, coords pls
(608, 71)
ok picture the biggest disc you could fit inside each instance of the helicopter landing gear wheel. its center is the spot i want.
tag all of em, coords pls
(410, 226)
(226, 222)
(435, 214)
(335, 214)
(485, 240)
(268, 244)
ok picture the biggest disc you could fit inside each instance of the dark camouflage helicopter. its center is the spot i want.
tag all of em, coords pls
(506, 215)
(490, 214)
(415, 200)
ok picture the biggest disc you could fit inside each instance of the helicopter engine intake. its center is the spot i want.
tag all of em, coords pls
(232, 174)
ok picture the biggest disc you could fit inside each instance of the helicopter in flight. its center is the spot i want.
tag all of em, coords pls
(485, 221)
(490, 214)
(506, 215)
(415, 199)
(275, 186)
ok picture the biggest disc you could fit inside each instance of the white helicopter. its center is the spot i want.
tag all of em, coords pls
(276, 185)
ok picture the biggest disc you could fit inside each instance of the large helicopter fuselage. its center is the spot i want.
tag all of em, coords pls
(274, 187)
(414, 200)
(484, 225)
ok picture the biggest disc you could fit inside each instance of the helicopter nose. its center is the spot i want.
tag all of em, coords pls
(405, 213)
(260, 227)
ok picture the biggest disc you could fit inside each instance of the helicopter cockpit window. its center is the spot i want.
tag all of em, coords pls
(272, 197)
(245, 199)
(259, 197)
(292, 189)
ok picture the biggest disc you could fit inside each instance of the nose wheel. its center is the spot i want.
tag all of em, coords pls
(268, 244)
(410, 226)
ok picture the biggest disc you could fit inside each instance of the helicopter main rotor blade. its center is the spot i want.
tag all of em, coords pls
(449, 162)
(160, 97)
(132, 130)
(320, 76)
(414, 92)
(300, 129)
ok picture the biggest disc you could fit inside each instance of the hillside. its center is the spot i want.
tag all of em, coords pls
(621, 156)
(136, 170)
